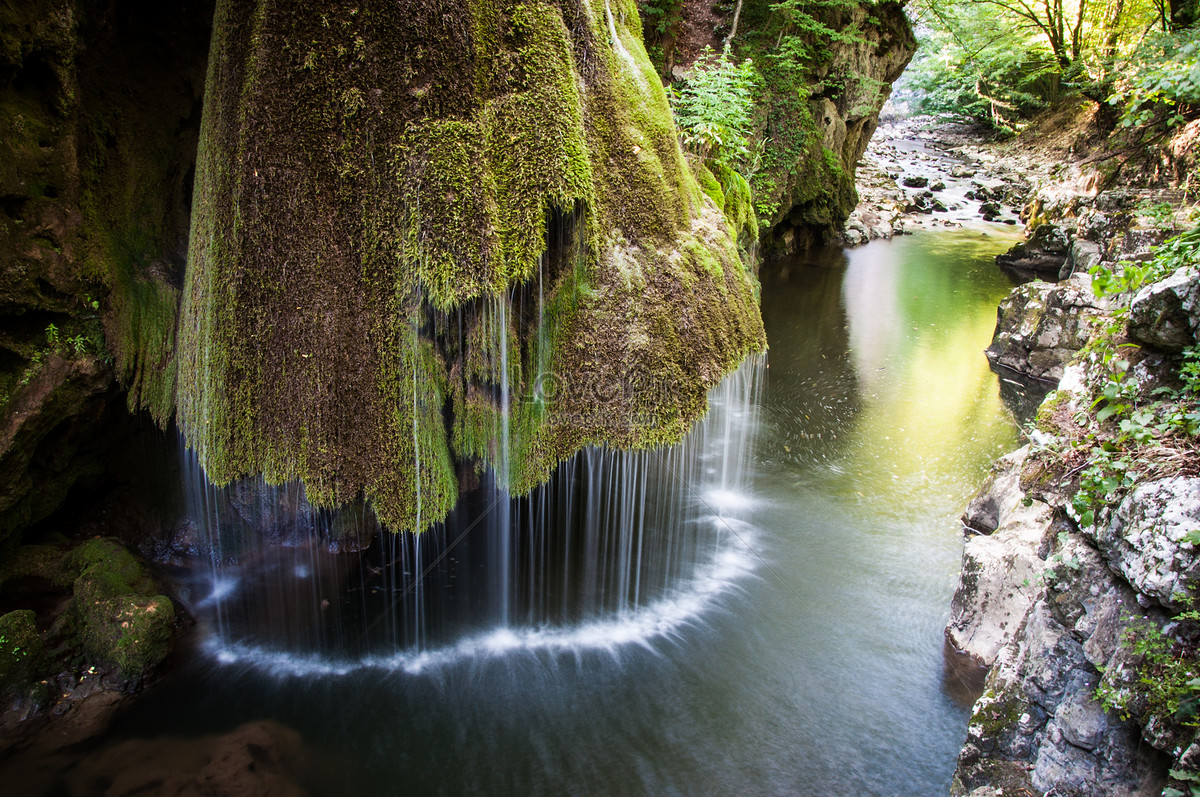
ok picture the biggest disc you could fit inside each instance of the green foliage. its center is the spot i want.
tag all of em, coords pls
(1173, 254)
(967, 68)
(657, 14)
(713, 110)
(1161, 78)
(1165, 678)
(1001, 61)
(805, 34)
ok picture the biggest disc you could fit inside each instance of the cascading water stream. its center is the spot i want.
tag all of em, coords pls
(617, 548)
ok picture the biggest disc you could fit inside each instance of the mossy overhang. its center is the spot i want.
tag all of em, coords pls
(406, 219)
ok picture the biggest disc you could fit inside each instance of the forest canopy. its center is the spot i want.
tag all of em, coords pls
(1001, 61)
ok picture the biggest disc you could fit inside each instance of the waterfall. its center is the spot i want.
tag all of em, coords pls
(617, 548)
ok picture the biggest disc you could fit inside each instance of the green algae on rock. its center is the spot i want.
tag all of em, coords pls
(20, 650)
(123, 623)
(454, 231)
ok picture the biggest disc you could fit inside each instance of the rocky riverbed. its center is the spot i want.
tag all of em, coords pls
(919, 174)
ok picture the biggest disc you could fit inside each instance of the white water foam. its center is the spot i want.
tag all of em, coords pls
(666, 618)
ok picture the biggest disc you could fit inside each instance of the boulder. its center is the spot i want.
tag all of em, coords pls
(1166, 314)
(915, 181)
(1081, 256)
(1040, 326)
(125, 625)
(1041, 257)
(1001, 568)
(1148, 540)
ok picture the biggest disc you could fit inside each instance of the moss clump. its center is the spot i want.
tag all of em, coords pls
(431, 212)
(124, 625)
(21, 650)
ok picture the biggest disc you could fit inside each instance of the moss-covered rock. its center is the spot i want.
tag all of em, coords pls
(409, 222)
(130, 633)
(20, 650)
(123, 623)
(817, 111)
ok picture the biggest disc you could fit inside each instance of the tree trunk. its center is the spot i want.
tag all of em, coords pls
(737, 13)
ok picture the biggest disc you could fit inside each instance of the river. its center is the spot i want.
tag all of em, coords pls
(776, 629)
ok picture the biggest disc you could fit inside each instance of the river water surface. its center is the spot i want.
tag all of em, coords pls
(781, 632)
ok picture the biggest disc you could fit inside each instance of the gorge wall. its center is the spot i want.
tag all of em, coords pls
(405, 241)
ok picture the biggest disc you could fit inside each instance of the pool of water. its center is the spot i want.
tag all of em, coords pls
(777, 634)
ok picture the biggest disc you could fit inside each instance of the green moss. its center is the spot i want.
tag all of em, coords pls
(21, 651)
(1056, 401)
(129, 633)
(426, 186)
(998, 713)
(123, 623)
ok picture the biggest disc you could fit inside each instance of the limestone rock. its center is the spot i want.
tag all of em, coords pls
(1146, 540)
(1166, 314)
(1041, 326)
(1038, 726)
(1042, 256)
(125, 625)
(1001, 570)
(1081, 256)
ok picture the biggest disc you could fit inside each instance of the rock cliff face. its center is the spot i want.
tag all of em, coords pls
(1038, 608)
(1074, 609)
(99, 117)
(805, 188)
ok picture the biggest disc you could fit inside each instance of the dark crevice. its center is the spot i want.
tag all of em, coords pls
(13, 206)
(37, 80)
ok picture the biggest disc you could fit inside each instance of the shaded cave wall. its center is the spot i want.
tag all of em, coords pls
(522, 174)
(99, 118)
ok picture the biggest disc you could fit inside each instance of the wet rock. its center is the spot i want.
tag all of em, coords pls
(915, 181)
(1041, 257)
(1040, 326)
(1166, 314)
(963, 172)
(1148, 540)
(990, 211)
(261, 758)
(938, 186)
